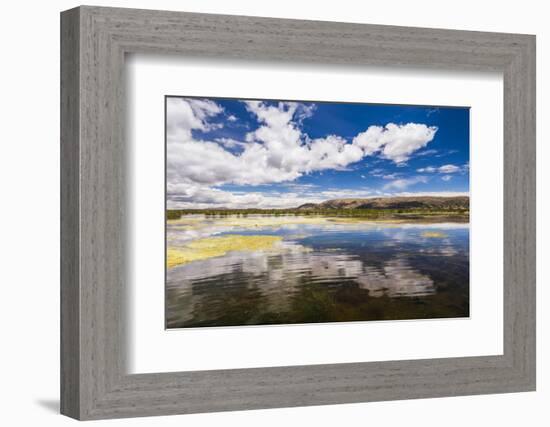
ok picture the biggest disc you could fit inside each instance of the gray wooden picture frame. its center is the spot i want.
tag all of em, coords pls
(94, 381)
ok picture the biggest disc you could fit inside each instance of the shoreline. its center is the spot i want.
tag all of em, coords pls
(397, 218)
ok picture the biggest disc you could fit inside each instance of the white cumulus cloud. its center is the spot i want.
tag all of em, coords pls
(395, 142)
(184, 115)
(276, 151)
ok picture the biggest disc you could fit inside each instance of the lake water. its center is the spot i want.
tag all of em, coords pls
(317, 270)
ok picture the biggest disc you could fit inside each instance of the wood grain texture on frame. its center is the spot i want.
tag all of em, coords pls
(94, 271)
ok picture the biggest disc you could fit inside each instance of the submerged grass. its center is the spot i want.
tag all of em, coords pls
(196, 223)
(210, 247)
(200, 222)
(257, 222)
(434, 234)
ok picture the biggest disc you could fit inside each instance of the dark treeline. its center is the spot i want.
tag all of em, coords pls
(363, 213)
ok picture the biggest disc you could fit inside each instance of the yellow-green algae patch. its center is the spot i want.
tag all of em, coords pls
(210, 247)
(434, 234)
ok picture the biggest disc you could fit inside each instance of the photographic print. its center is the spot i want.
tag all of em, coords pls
(296, 212)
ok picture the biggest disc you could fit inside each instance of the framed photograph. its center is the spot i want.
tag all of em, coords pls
(262, 213)
(276, 216)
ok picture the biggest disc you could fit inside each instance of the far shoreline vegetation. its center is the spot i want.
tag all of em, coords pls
(454, 209)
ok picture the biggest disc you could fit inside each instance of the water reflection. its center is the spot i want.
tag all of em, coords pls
(396, 279)
(323, 273)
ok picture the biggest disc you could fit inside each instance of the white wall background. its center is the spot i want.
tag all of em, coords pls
(29, 225)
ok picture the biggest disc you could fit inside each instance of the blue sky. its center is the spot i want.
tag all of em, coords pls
(237, 153)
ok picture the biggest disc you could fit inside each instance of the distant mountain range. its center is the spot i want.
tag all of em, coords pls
(413, 202)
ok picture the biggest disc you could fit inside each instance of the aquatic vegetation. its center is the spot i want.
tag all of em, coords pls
(252, 221)
(434, 234)
(210, 247)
